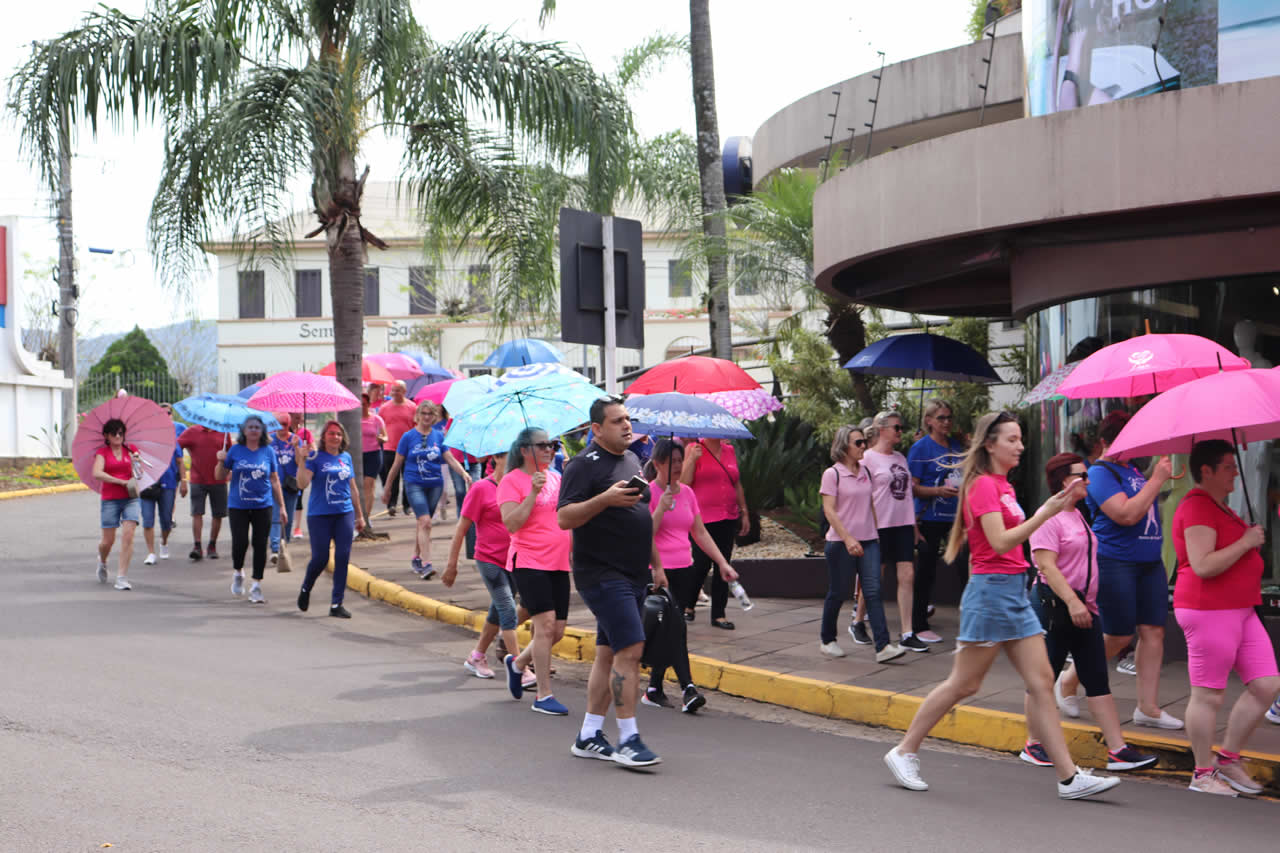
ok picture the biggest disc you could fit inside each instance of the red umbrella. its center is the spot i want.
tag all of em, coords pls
(693, 374)
(370, 371)
(434, 392)
(397, 364)
(146, 426)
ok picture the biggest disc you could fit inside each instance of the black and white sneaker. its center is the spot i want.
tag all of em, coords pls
(913, 644)
(655, 698)
(693, 700)
(633, 753)
(1128, 758)
(860, 634)
(594, 747)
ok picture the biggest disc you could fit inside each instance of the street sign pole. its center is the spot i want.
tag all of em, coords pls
(610, 311)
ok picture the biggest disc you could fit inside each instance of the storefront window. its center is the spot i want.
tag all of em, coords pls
(1223, 310)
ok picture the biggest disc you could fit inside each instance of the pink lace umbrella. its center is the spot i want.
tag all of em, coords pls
(1148, 364)
(146, 426)
(295, 391)
(397, 364)
(745, 405)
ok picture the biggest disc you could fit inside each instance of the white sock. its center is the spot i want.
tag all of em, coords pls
(591, 723)
(626, 728)
(239, 573)
(256, 585)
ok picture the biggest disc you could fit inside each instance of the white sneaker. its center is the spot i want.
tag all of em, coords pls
(893, 651)
(164, 552)
(831, 649)
(1164, 721)
(1069, 705)
(906, 769)
(150, 560)
(237, 583)
(122, 582)
(1127, 665)
(256, 596)
(102, 572)
(1273, 713)
(1085, 784)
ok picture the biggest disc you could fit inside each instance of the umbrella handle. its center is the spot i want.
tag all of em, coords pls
(1178, 475)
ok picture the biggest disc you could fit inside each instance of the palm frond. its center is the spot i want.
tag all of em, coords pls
(644, 59)
(545, 14)
(663, 178)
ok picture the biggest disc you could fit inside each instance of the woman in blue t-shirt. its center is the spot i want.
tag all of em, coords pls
(419, 454)
(333, 515)
(1133, 588)
(252, 495)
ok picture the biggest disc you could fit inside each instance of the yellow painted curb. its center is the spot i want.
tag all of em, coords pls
(43, 490)
(966, 724)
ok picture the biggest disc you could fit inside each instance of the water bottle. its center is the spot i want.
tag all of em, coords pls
(741, 594)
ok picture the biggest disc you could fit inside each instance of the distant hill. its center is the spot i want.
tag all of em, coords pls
(190, 348)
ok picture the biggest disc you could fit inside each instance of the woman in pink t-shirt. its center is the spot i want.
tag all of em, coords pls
(995, 612)
(677, 521)
(373, 432)
(1065, 599)
(712, 472)
(539, 557)
(113, 465)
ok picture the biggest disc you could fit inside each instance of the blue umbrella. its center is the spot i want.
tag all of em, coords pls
(431, 368)
(221, 412)
(537, 370)
(923, 356)
(556, 403)
(248, 391)
(465, 392)
(675, 414)
(523, 351)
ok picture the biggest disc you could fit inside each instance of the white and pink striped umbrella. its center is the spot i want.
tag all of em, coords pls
(746, 405)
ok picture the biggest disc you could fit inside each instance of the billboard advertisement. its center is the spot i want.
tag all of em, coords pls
(1084, 52)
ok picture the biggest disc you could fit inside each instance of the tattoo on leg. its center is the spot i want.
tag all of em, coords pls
(617, 683)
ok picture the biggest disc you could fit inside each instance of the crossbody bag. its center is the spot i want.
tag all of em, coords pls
(1049, 600)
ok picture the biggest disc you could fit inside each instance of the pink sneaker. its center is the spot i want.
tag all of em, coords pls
(297, 533)
(477, 664)
(529, 679)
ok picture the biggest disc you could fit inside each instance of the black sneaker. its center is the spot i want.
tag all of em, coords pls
(304, 599)
(913, 644)
(633, 753)
(1128, 758)
(860, 634)
(337, 611)
(594, 747)
(196, 554)
(693, 700)
(655, 698)
(212, 551)
(1034, 753)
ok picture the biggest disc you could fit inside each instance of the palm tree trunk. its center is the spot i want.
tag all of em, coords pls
(847, 335)
(711, 176)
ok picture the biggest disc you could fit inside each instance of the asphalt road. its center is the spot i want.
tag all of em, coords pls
(177, 718)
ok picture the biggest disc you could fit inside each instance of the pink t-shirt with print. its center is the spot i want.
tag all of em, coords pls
(539, 543)
(890, 488)
(992, 493)
(672, 534)
(369, 429)
(1067, 534)
(853, 501)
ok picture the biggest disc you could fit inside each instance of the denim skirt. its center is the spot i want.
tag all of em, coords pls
(996, 609)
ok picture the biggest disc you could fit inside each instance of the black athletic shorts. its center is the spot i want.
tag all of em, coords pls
(541, 591)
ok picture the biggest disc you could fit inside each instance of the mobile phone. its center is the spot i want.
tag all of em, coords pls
(638, 483)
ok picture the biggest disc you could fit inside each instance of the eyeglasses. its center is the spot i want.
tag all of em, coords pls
(547, 445)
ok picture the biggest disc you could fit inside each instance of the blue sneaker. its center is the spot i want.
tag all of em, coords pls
(513, 677)
(1035, 753)
(594, 747)
(633, 753)
(1273, 713)
(415, 565)
(550, 705)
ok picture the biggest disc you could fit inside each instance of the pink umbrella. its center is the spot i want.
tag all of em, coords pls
(434, 392)
(397, 364)
(370, 371)
(746, 405)
(1148, 364)
(295, 391)
(146, 426)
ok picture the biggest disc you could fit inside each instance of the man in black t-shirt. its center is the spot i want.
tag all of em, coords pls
(612, 553)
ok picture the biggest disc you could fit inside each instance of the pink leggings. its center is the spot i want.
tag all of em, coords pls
(1219, 641)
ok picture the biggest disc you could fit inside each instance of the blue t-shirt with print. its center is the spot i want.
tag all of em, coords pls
(423, 455)
(251, 470)
(169, 479)
(285, 460)
(330, 484)
(931, 464)
(1139, 543)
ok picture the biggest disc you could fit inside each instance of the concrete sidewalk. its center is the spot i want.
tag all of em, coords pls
(773, 656)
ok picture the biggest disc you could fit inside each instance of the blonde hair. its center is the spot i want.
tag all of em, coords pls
(427, 406)
(878, 423)
(933, 404)
(975, 462)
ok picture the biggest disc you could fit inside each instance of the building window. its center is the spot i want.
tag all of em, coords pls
(679, 279)
(247, 379)
(306, 290)
(746, 279)
(372, 294)
(422, 287)
(479, 278)
(253, 294)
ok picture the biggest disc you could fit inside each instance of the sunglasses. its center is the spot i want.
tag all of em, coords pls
(1079, 475)
(859, 442)
(896, 427)
(547, 445)
(942, 417)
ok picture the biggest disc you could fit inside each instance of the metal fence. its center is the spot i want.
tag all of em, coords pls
(157, 386)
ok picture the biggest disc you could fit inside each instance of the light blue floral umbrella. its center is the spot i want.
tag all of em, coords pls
(555, 402)
(221, 412)
(675, 414)
(465, 392)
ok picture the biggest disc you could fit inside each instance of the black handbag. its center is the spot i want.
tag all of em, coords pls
(1055, 606)
(151, 493)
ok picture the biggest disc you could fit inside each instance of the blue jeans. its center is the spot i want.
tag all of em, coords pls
(290, 507)
(165, 504)
(423, 499)
(842, 568)
(502, 588)
(340, 529)
(460, 492)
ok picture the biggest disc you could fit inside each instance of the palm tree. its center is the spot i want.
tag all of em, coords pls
(254, 93)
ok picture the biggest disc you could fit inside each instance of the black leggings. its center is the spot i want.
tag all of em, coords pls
(1062, 637)
(681, 582)
(723, 534)
(241, 521)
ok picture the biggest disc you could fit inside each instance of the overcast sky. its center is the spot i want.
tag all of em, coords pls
(767, 54)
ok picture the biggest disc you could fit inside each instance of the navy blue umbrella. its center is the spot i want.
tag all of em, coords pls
(924, 356)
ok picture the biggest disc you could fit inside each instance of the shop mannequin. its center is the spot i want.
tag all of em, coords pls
(1254, 459)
